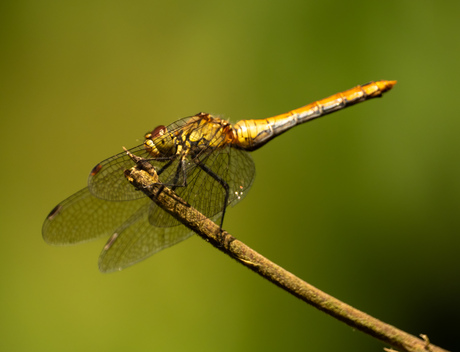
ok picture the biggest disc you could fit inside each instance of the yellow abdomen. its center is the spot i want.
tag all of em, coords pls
(252, 134)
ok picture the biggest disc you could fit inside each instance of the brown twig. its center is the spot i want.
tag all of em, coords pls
(144, 178)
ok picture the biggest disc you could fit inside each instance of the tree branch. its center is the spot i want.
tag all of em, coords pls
(144, 178)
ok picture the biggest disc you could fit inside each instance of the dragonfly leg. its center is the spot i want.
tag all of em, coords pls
(165, 166)
(180, 168)
(223, 184)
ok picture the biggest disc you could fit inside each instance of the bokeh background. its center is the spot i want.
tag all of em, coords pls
(363, 204)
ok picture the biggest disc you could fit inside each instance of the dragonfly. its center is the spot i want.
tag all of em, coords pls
(204, 159)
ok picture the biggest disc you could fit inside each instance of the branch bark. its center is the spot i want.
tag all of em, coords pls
(144, 178)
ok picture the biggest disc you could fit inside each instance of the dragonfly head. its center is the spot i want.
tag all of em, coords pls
(159, 142)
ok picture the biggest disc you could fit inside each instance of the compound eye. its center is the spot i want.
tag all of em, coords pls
(157, 132)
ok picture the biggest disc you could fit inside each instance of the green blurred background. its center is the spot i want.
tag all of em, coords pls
(363, 204)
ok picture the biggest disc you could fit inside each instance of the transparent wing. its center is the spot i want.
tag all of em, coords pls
(107, 179)
(83, 217)
(137, 240)
(205, 188)
(110, 205)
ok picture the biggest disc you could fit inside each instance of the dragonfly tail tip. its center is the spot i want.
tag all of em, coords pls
(385, 86)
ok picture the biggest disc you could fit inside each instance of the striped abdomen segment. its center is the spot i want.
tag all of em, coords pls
(252, 134)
